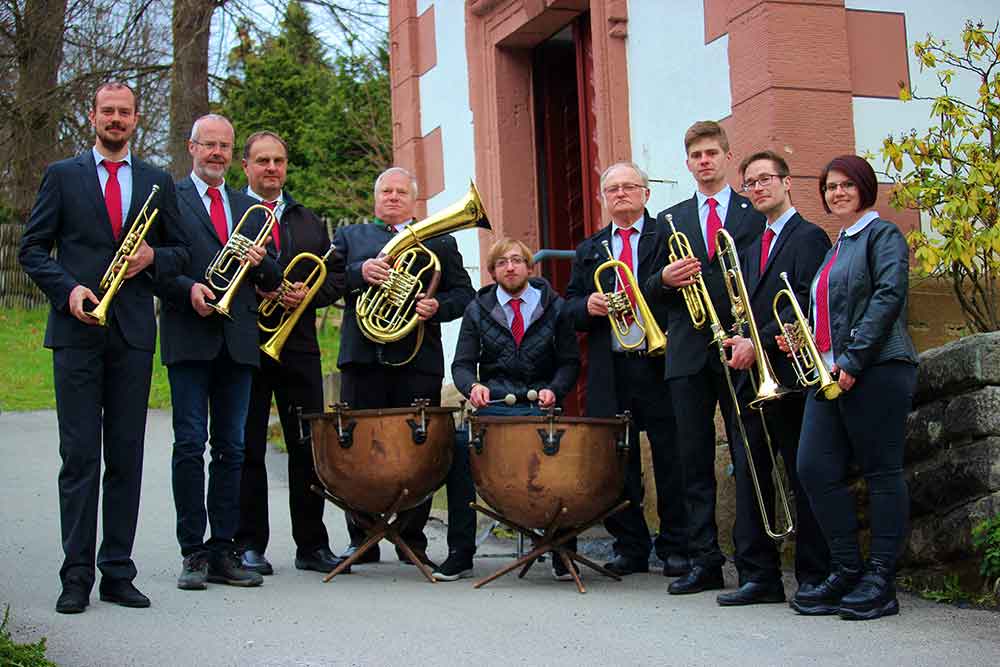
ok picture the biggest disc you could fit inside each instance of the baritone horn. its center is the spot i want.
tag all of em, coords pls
(810, 369)
(623, 312)
(387, 312)
(226, 271)
(115, 275)
(286, 317)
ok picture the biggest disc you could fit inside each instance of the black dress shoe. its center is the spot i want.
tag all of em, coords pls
(699, 578)
(873, 597)
(675, 565)
(823, 599)
(753, 592)
(320, 560)
(122, 592)
(73, 599)
(624, 565)
(370, 556)
(255, 561)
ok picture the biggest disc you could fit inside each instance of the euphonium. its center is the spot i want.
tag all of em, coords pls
(622, 313)
(807, 361)
(387, 312)
(765, 385)
(696, 296)
(113, 277)
(287, 318)
(235, 252)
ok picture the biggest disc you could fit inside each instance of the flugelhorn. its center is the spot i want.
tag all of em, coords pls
(810, 369)
(287, 318)
(113, 277)
(623, 314)
(226, 271)
(765, 386)
(696, 295)
(387, 312)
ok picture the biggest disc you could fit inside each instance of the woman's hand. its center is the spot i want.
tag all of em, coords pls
(844, 379)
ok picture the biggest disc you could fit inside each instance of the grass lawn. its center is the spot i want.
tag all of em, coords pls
(27, 366)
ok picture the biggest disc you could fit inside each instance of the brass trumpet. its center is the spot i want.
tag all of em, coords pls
(765, 386)
(810, 369)
(696, 296)
(287, 318)
(387, 312)
(115, 274)
(217, 274)
(623, 314)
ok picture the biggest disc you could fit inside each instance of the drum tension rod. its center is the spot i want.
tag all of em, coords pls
(420, 430)
(345, 433)
(551, 435)
(622, 444)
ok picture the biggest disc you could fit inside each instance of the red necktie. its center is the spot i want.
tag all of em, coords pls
(713, 227)
(823, 304)
(275, 234)
(625, 257)
(113, 197)
(218, 214)
(517, 324)
(765, 248)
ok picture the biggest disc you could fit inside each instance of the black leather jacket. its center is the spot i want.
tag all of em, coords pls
(868, 290)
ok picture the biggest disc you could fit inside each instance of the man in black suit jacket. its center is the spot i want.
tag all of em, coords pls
(694, 370)
(793, 245)
(102, 374)
(375, 375)
(210, 360)
(296, 381)
(619, 379)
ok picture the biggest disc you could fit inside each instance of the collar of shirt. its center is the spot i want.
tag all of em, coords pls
(780, 223)
(202, 188)
(530, 298)
(98, 157)
(124, 179)
(278, 210)
(637, 226)
(400, 226)
(862, 222)
(722, 197)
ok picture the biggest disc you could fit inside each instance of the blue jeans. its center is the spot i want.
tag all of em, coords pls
(219, 389)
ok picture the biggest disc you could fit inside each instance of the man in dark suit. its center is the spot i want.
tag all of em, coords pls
(210, 360)
(620, 379)
(374, 375)
(694, 370)
(86, 207)
(296, 381)
(793, 245)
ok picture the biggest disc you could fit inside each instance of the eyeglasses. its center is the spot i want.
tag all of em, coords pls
(846, 186)
(513, 260)
(763, 181)
(211, 146)
(627, 188)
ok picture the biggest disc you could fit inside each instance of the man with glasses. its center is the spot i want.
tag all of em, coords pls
(620, 379)
(210, 359)
(514, 338)
(795, 246)
(694, 371)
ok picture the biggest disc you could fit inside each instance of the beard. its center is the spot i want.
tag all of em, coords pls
(513, 285)
(112, 143)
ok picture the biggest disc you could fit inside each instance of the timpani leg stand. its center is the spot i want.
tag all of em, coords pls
(375, 530)
(553, 538)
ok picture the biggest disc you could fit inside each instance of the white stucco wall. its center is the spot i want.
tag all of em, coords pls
(444, 103)
(674, 79)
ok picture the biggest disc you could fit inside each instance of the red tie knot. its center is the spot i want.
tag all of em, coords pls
(271, 204)
(711, 203)
(214, 194)
(768, 235)
(112, 167)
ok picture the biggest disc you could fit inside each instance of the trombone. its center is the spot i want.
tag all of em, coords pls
(810, 369)
(288, 317)
(217, 274)
(115, 275)
(623, 313)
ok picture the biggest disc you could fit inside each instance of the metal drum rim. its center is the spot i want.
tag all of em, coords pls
(544, 419)
(381, 412)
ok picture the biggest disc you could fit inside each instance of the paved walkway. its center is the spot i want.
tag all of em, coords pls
(387, 615)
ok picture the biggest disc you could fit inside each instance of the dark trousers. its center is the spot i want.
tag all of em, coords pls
(460, 488)
(364, 387)
(102, 394)
(866, 424)
(694, 399)
(639, 388)
(757, 558)
(202, 390)
(297, 385)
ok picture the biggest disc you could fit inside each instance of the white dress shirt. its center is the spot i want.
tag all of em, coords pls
(202, 188)
(124, 179)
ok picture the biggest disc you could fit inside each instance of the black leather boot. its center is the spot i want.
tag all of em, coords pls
(824, 598)
(874, 596)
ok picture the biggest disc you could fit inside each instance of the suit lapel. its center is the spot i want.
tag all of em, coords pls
(690, 224)
(92, 190)
(647, 246)
(139, 186)
(188, 193)
(738, 207)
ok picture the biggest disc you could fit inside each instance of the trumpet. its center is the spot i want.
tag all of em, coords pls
(387, 312)
(115, 274)
(288, 317)
(696, 295)
(622, 312)
(765, 386)
(810, 369)
(220, 273)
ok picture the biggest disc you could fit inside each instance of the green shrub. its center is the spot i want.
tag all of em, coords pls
(986, 539)
(23, 655)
